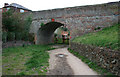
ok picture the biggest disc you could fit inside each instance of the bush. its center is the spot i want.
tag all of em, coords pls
(4, 37)
(18, 36)
(42, 24)
(16, 27)
(98, 28)
(31, 37)
(10, 36)
(55, 35)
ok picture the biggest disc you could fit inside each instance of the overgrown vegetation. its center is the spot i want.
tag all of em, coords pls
(92, 65)
(15, 27)
(64, 28)
(60, 41)
(42, 24)
(27, 60)
(108, 37)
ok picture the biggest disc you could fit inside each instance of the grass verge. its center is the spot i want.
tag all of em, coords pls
(27, 60)
(92, 65)
(108, 37)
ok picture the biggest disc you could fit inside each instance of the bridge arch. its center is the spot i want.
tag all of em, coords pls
(79, 20)
(45, 34)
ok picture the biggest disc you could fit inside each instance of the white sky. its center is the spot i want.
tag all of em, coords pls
(36, 5)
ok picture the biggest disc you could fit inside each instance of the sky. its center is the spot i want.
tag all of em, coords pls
(36, 5)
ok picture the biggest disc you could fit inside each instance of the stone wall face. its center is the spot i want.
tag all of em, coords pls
(106, 58)
(79, 20)
(90, 10)
(81, 25)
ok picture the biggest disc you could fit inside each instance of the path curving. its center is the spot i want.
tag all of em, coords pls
(67, 64)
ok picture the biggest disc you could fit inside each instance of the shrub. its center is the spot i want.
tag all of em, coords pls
(10, 36)
(97, 28)
(16, 27)
(4, 37)
(42, 24)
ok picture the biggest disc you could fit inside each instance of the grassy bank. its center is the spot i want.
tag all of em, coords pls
(92, 65)
(28, 60)
(108, 37)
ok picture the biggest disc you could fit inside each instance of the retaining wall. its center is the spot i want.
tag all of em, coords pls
(104, 57)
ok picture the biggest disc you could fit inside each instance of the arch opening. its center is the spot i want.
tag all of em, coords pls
(45, 34)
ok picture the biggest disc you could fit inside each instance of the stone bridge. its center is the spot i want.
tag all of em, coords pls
(79, 20)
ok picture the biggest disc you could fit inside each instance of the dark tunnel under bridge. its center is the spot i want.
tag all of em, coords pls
(45, 34)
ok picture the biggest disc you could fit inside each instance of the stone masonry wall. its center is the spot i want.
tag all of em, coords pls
(104, 57)
(82, 11)
(79, 20)
(82, 25)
